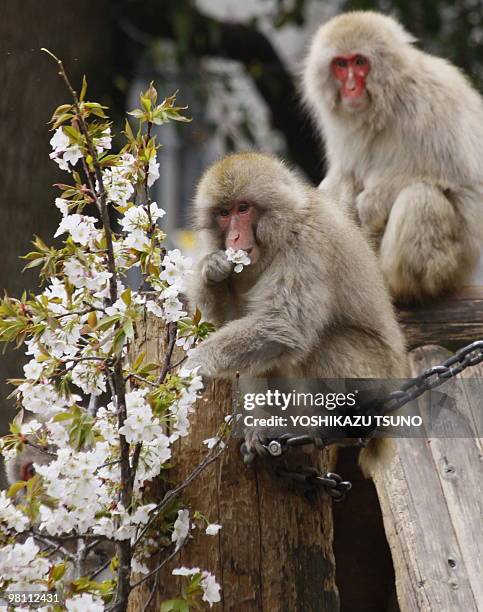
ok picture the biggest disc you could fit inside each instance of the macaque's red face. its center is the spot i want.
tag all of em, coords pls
(238, 224)
(350, 71)
(27, 471)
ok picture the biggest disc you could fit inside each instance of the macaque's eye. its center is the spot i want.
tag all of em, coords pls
(341, 62)
(360, 60)
(243, 207)
(223, 212)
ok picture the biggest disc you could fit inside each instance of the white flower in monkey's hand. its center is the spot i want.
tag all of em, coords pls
(239, 258)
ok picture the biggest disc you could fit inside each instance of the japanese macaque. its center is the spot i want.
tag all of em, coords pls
(312, 302)
(21, 467)
(403, 133)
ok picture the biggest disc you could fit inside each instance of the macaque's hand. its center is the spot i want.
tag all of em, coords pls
(196, 360)
(216, 267)
(257, 439)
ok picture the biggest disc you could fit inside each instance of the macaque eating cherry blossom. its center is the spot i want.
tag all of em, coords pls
(312, 302)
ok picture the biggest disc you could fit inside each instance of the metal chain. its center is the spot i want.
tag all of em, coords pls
(435, 376)
(310, 479)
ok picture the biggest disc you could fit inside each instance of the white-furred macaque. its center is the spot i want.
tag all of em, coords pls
(403, 133)
(312, 301)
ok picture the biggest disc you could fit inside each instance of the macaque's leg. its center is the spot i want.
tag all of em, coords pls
(425, 250)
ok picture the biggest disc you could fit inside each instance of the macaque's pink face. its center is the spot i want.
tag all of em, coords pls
(350, 71)
(238, 224)
(27, 471)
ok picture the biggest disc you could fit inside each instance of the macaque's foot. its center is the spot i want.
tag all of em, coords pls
(372, 217)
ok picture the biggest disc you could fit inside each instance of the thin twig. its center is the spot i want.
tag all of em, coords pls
(141, 379)
(172, 333)
(178, 363)
(52, 542)
(154, 588)
(173, 493)
(44, 451)
(160, 566)
(100, 569)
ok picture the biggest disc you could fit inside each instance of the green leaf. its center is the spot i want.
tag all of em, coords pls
(73, 133)
(136, 113)
(16, 487)
(119, 341)
(108, 322)
(57, 571)
(174, 605)
(126, 296)
(138, 361)
(84, 89)
(128, 328)
(63, 416)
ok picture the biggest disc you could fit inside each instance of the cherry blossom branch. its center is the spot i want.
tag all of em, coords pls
(100, 196)
(172, 333)
(27, 442)
(124, 547)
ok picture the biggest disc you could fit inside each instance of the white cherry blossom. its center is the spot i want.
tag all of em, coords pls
(239, 258)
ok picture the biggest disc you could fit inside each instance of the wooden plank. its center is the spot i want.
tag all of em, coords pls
(431, 498)
(450, 322)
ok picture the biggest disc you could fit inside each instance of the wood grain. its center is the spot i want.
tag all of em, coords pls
(451, 322)
(431, 498)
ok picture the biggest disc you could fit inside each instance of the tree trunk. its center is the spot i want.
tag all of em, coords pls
(274, 551)
(79, 33)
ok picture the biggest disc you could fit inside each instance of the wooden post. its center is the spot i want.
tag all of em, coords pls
(452, 322)
(431, 494)
(274, 551)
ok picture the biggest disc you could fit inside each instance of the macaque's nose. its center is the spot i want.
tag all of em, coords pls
(233, 236)
(351, 82)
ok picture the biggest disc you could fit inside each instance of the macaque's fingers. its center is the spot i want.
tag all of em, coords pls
(216, 267)
(256, 440)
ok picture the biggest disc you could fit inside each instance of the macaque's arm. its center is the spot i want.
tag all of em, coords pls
(340, 188)
(250, 344)
(287, 327)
